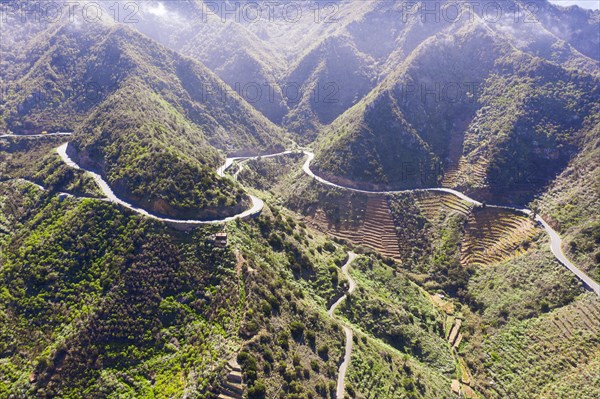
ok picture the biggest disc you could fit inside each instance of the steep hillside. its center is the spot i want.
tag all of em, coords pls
(303, 64)
(139, 296)
(572, 203)
(400, 131)
(122, 143)
(463, 99)
(381, 307)
(575, 25)
(332, 77)
(214, 34)
(239, 58)
(540, 357)
(109, 57)
(532, 121)
(114, 276)
(545, 30)
(369, 42)
(151, 124)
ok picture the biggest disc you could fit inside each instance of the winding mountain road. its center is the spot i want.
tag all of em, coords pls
(310, 156)
(348, 351)
(229, 161)
(555, 240)
(39, 186)
(257, 203)
(556, 248)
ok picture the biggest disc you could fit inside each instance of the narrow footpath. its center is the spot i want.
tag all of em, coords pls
(347, 330)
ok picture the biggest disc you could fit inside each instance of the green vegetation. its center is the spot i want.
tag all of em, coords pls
(138, 296)
(162, 179)
(379, 371)
(17, 200)
(523, 288)
(151, 123)
(413, 229)
(491, 300)
(124, 287)
(99, 302)
(542, 355)
(390, 307)
(517, 119)
(534, 125)
(54, 175)
(572, 203)
(439, 266)
(36, 160)
(287, 183)
(267, 173)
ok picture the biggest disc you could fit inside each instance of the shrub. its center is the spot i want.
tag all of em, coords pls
(323, 351)
(314, 365)
(248, 363)
(297, 329)
(283, 339)
(311, 338)
(268, 356)
(266, 308)
(258, 390)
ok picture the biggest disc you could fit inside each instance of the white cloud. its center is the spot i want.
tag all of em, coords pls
(589, 4)
(158, 10)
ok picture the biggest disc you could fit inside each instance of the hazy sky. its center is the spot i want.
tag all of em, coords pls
(594, 4)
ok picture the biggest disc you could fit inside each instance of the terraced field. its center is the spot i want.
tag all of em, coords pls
(435, 204)
(232, 387)
(493, 235)
(377, 230)
(451, 177)
(540, 355)
(463, 172)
